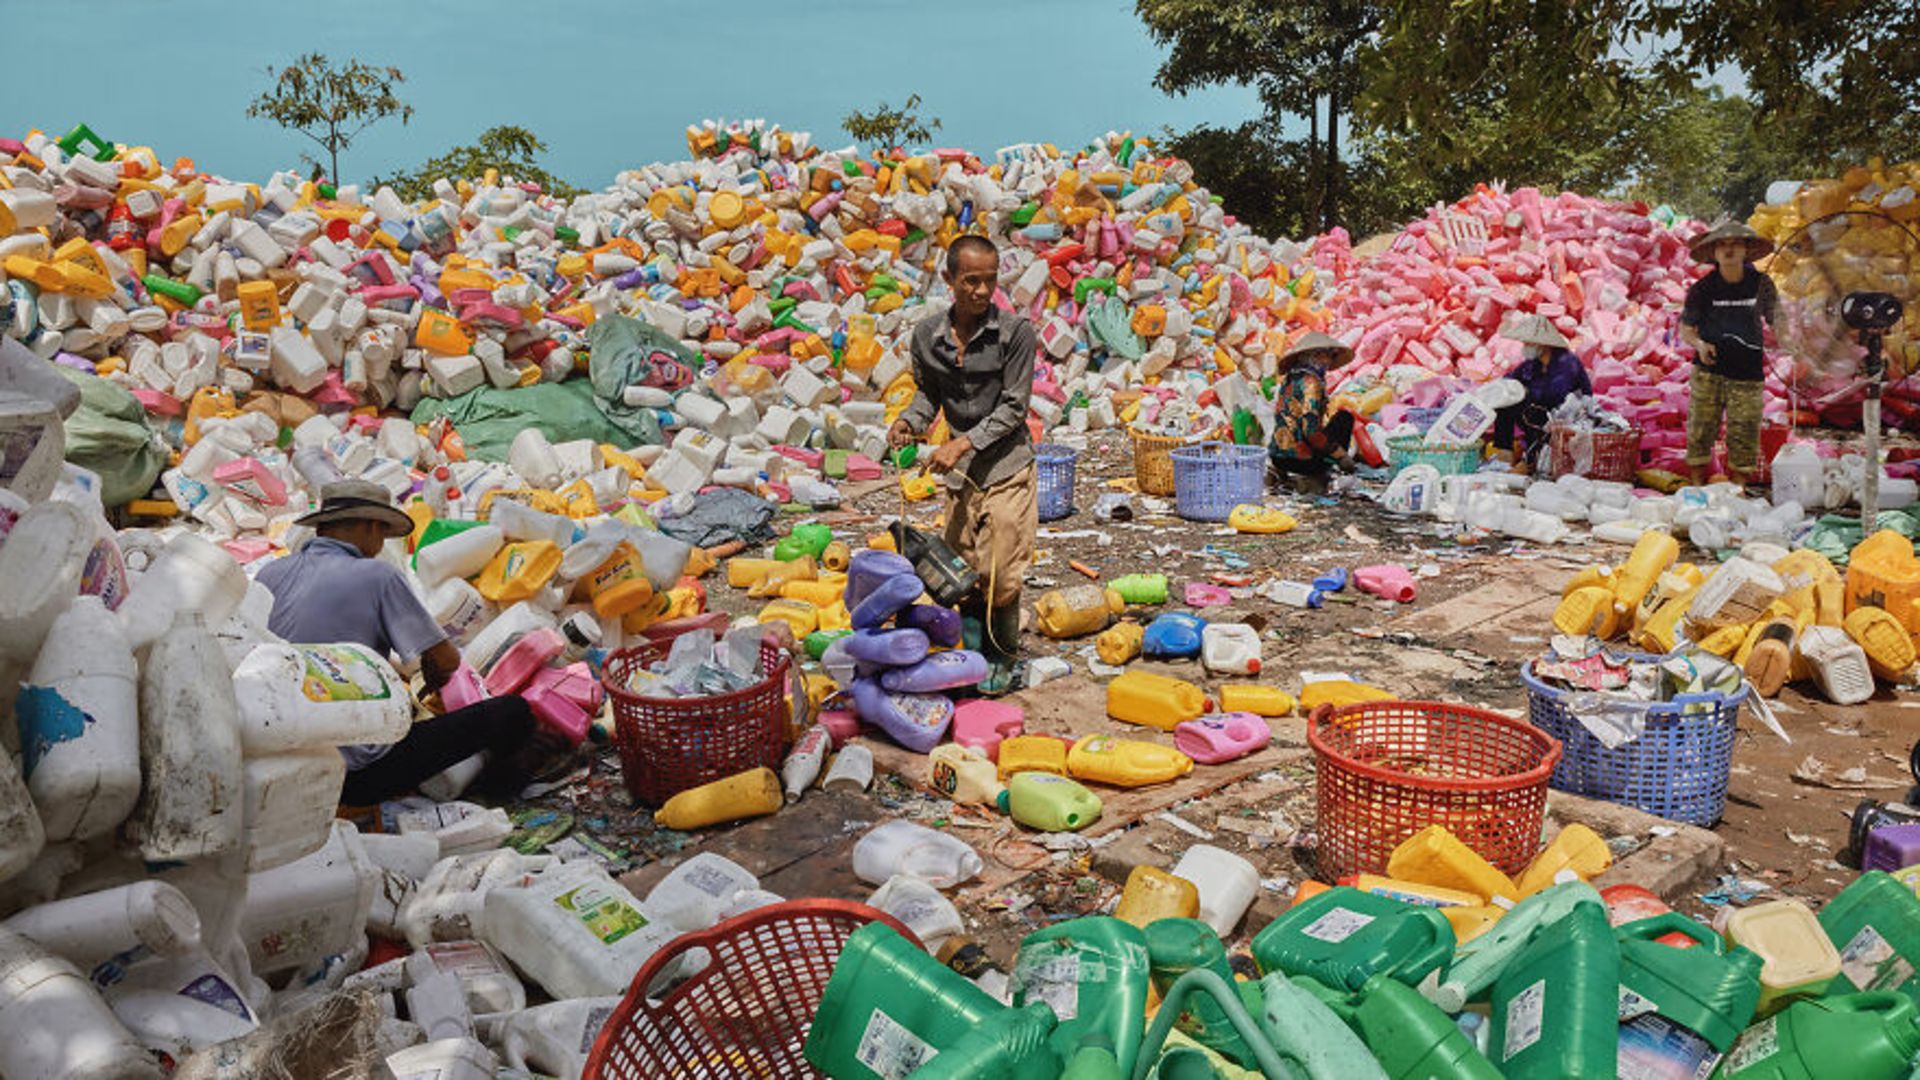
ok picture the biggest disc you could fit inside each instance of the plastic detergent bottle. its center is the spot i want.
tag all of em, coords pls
(1555, 1008)
(1799, 959)
(915, 721)
(964, 774)
(190, 803)
(1049, 803)
(552, 1039)
(1414, 490)
(1159, 701)
(79, 722)
(1578, 850)
(1227, 884)
(1855, 1035)
(40, 567)
(743, 795)
(1152, 894)
(458, 553)
(1032, 753)
(519, 570)
(1478, 964)
(1213, 740)
(1875, 923)
(1119, 643)
(1343, 937)
(868, 569)
(1303, 1030)
(1141, 588)
(308, 909)
(888, 599)
(575, 930)
(1255, 699)
(1077, 611)
(1104, 759)
(1092, 971)
(84, 930)
(1587, 611)
(1652, 555)
(487, 983)
(904, 847)
(177, 1005)
(53, 1026)
(1387, 581)
(1410, 1038)
(942, 625)
(890, 1008)
(1173, 636)
(290, 799)
(891, 648)
(1706, 991)
(445, 1059)
(298, 697)
(1230, 649)
(920, 907)
(984, 725)
(1176, 946)
(941, 671)
(1435, 856)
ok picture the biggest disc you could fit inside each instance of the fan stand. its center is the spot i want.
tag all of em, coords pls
(1876, 370)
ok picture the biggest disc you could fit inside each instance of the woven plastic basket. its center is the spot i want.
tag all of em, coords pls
(1597, 455)
(1449, 459)
(1152, 468)
(1677, 768)
(1056, 468)
(743, 1015)
(1210, 479)
(668, 745)
(1387, 769)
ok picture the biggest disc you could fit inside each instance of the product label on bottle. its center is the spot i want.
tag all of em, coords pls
(46, 720)
(596, 1019)
(1653, 1047)
(1760, 1042)
(1042, 975)
(1871, 964)
(1337, 925)
(890, 1050)
(1524, 1014)
(342, 673)
(605, 914)
(213, 990)
(466, 959)
(711, 880)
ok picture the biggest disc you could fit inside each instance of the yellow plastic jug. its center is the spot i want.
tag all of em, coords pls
(1577, 848)
(744, 573)
(1152, 894)
(1599, 576)
(1652, 554)
(1590, 610)
(1120, 643)
(822, 593)
(835, 616)
(775, 580)
(1888, 647)
(519, 571)
(1799, 959)
(1252, 518)
(620, 584)
(1256, 699)
(803, 617)
(1157, 701)
(1416, 892)
(1338, 692)
(1434, 856)
(836, 557)
(1032, 753)
(1077, 611)
(1471, 922)
(1661, 629)
(1725, 641)
(963, 774)
(730, 798)
(1104, 759)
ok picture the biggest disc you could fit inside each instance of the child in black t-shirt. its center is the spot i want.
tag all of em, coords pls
(1722, 322)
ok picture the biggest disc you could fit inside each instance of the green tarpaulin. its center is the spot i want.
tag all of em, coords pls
(108, 434)
(488, 419)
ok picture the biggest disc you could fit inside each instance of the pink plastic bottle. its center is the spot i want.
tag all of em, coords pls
(465, 688)
(1387, 581)
(524, 658)
(1211, 740)
(248, 477)
(981, 724)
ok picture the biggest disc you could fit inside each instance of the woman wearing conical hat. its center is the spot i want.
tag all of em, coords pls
(1551, 373)
(1307, 442)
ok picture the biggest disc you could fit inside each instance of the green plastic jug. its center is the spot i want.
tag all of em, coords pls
(808, 540)
(1016, 1045)
(1871, 1036)
(1875, 923)
(1185, 1063)
(1305, 1031)
(1409, 1035)
(890, 1008)
(1050, 803)
(1704, 990)
(1556, 1008)
(1094, 1060)
(1200, 981)
(1141, 588)
(1093, 972)
(1480, 961)
(1177, 946)
(1343, 937)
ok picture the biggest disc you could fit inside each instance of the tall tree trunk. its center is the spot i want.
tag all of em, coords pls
(1310, 211)
(1330, 205)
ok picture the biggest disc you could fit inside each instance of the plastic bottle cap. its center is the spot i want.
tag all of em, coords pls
(1253, 666)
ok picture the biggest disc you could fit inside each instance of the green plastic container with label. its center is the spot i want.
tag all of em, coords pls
(1343, 937)
(1177, 946)
(1871, 1036)
(1556, 1008)
(1875, 923)
(1478, 963)
(890, 1008)
(1094, 1060)
(1706, 989)
(1093, 971)
(1016, 1045)
(1409, 1035)
(1050, 803)
(1310, 1036)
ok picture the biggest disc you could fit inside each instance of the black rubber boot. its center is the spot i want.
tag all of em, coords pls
(1002, 650)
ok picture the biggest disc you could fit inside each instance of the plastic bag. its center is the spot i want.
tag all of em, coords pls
(108, 434)
(628, 352)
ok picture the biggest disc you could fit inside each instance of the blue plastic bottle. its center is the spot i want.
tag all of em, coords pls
(1173, 636)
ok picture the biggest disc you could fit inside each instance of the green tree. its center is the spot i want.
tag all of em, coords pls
(1704, 155)
(887, 128)
(330, 104)
(511, 150)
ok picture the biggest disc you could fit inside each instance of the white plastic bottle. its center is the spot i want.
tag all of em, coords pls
(79, 716)
(532, 456)
(459, 609)
(487, 982)
(40, 567)
(450, 902)
(519, 522)
(291, 799)
(302, 697)
(694, 894)
(310, 908)
(21, 836)
(461, 555)
(906, 847)
(550, 1039)
(445, 1059)
(94, 927)
(190, 804)
(190, 574)
(437, 1003)
(575, 930)
(53, 1026)
(1230, 649)
(177, 1005)
(1227, 884)
(931, 916)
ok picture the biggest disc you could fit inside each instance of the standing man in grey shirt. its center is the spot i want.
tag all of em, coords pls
(974, 363)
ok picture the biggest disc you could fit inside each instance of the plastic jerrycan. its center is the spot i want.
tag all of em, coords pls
(1151, 894)
(300, 697)
(1141, 588)
(79, 720)
(1158, 701)
(1704, 990)
(890, 1008)
(190, 804)
(1652, 554)
(1077, 611)
(1479, 963)
(1875, 923)
(1177, 946)
(1434, 856)
(1104, 759)
(53, 1026)
(1577, 849)
(1051, 803)
(1120, 643)
(1093, 972)
(1019, 1044)
(1556, 1007)
(1343, 937)
(1799, 960)
(1872, 1036)
(1305, 1031)
(1407, 1034)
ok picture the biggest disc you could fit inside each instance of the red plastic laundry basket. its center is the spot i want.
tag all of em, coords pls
(668, 745)
(745, 1015)
(1387, 769)
(1597, 455)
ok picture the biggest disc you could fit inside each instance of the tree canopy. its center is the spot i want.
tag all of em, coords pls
(886, 127)
(330, 103)
(509, 149)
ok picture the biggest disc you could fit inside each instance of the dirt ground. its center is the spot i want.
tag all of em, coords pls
(1483, 608)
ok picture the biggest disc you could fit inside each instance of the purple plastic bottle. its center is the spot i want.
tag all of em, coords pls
(888, 599)
(893, 648)
(915, 721)
(942, 624)
(868, 568)
(941, 671)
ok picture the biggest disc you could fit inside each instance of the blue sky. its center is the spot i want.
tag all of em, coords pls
(608, 85)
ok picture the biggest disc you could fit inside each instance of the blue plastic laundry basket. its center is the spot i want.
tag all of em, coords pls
(1056, 465)
(1676, 769)
(1210, 479)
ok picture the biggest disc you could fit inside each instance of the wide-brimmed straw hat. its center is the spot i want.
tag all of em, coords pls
(1535, 330)
(1332, 351)
(358, 500)
(1758, 247)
